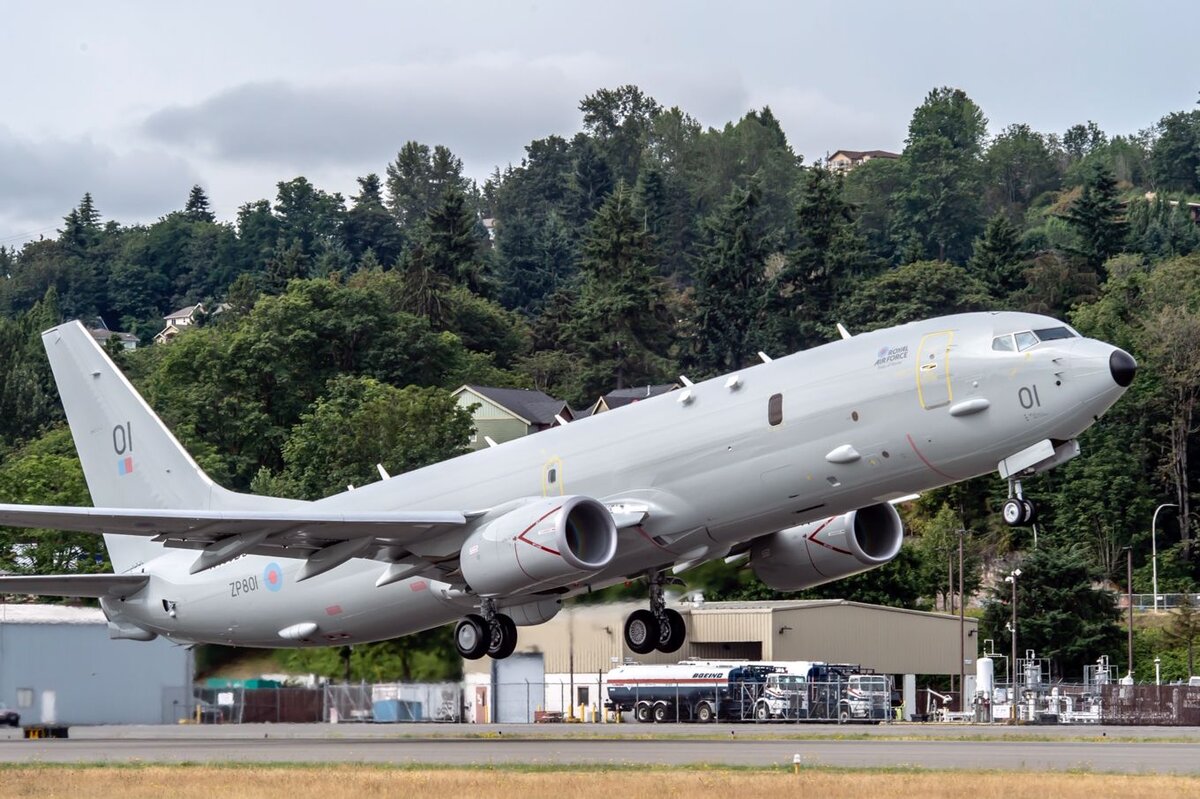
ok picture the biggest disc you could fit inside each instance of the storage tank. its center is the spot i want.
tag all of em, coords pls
(985, 676)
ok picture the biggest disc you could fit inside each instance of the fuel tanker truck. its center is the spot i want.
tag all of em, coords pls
(690, 691)
(698, 690)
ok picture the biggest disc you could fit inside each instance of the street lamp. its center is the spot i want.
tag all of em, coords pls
(1129, 587)
(962, 644)
(1154, 548)
(1012, 578)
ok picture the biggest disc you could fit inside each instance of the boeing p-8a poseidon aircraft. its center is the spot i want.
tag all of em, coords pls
(792, 464)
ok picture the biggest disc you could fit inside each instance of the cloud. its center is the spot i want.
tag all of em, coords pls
(485, 108)
(43, 179)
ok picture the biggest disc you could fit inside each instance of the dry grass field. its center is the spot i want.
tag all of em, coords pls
(344, 782)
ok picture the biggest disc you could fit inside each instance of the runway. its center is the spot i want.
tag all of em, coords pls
(971, 748)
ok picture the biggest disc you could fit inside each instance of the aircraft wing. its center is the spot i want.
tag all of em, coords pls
(282, 533)
(74, 585)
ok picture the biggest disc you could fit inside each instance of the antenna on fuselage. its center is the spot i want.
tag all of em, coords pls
(843, 331)
(762, 356)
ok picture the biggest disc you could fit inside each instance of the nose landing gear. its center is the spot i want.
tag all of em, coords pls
(659, 627)
(492, 633)
(1017, 510)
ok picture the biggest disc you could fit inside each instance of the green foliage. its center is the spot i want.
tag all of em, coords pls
(360, 422)
(914, 291)
(997, 257)
(427, 656)
(46, 471)
(1060, 614)
(1097, 217)
(728, 302)
(938, 206)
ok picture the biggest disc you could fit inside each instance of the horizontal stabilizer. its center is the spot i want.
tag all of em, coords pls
(75, 585)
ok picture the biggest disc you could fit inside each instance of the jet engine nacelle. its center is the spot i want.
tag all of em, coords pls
(820, 552)
(548, 542)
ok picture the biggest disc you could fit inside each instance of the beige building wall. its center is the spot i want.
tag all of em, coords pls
(588, 639)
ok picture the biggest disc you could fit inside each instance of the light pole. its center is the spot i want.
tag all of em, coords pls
(1154, 549)
(962, 644)
(1129, 585)
(1157, 674)
(1012, 701)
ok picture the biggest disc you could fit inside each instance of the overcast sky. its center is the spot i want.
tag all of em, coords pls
(137, 101)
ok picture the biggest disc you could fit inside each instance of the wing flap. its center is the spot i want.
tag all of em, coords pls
(202, 526)
(74, 585)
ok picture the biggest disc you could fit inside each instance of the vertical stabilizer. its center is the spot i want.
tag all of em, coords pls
(130, 459)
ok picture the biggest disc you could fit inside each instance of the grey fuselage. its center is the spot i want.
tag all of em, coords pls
(712, 472)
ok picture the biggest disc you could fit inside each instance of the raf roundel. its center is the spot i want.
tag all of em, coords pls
(273, 577)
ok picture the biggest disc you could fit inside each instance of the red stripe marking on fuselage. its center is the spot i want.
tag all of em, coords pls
(925, 460)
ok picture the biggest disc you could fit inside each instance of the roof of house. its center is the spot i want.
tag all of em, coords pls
(625, 396)
(184, 313)
(103, 334)
(531, 406)
(858, 155)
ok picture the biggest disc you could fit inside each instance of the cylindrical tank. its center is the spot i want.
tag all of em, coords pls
(1033, 673)
(985, 676)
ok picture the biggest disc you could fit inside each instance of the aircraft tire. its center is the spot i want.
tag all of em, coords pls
(1013, 512)
(471, 637)
(1029, 512)
(503, 639)
(672, 632)
(641, 632)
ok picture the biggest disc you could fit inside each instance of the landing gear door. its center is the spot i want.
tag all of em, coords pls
(933, 370)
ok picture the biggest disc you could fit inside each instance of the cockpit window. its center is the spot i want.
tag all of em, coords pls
(1004, 344)
(1025, 340)
(1052, 333)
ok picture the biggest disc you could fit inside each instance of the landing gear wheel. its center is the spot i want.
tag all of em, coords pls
(641, 632)
(471, 637)
(1013, 512)
(672, 631)
(503, 639)
(1028, 512)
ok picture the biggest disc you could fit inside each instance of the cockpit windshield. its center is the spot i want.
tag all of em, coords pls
(1023, 340)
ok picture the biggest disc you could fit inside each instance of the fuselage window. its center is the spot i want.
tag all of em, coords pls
(1025, 340)
(775, 410)
(1004, 344)
(1052, 333)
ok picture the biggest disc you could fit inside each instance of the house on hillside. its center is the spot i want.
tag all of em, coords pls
(188, 316)
(100, 332)
(845, 160)
(503, 414)
(626, 396)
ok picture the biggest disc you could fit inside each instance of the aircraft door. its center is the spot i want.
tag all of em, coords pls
(934, 389)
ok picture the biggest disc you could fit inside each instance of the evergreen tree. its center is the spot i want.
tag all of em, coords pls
(730, 273)
(828, 260)
(197, 208)
(451, 242)
(369, 226)
(997, 257)
(1059, 614)
(941, 202)
(1096, 217)
(591, 181)
(623, 326)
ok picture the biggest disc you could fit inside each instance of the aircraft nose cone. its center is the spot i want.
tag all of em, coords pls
(1123, 367)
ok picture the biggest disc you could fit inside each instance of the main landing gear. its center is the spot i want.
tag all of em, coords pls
(659, 627)
(1017, 510)
(486, 633)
